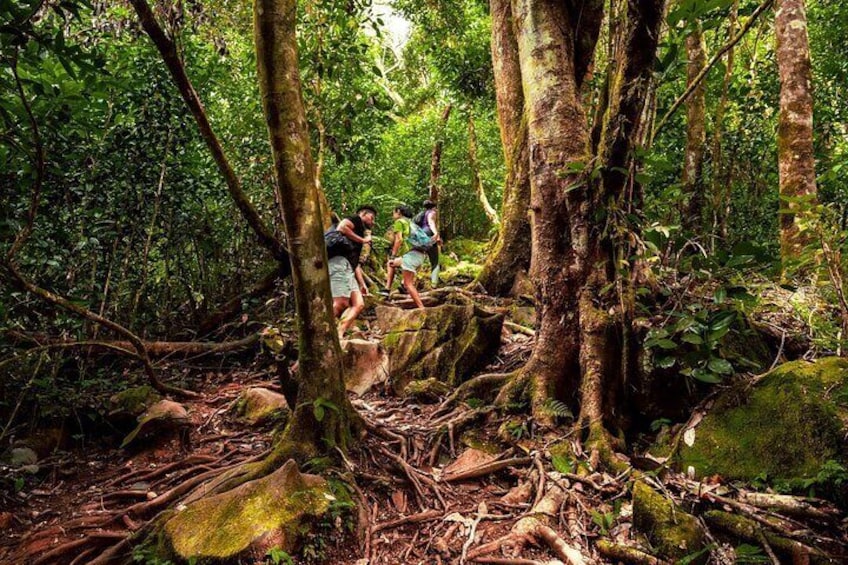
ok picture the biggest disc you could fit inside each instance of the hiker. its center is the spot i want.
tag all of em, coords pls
(414, 243)
(426, 219)
(344, 245)
(401, 227)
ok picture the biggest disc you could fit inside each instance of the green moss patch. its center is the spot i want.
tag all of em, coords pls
(674, 533)
(787, 428)
(249, 519)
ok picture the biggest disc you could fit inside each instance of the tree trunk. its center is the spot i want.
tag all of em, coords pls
(796, 164)
(511, 253)
(476, 181)
(436, 158)
(720, 186)
(322, 416)
(557, 137)
(576, 349)
(696, 134)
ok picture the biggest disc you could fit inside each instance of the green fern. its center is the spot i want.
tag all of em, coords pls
(557, 408)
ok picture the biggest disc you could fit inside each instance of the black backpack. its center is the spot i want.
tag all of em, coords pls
(420, 220)
(338, 245)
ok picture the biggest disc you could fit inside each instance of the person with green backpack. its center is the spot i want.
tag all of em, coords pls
(409, 251)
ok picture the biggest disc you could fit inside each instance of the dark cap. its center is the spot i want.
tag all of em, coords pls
(428, 204)
(366, 208)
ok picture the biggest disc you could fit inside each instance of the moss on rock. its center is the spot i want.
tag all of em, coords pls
(786, 428)
(447, 342)
(259, 406)
(427, 390)
(245, 522)
(674, 533)
(133, 401)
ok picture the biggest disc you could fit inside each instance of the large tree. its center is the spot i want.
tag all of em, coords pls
(696, 132)
(576, 216)
(795, 157)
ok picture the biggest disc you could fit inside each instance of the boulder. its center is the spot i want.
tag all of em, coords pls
(165, 415)
(366, 365)
(23, 456)
(242, 524)
(674, 533)
(132, 402)
(447, 342)
(259, 406)
(788, 429)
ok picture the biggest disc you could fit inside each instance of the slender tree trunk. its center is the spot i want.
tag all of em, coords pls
(696, 134)
(436, 157)
(720, 187)
(476, 181)
(511, 253)
(796, 163)
(322, 417)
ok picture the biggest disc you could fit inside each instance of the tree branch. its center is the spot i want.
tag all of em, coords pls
(168, 50)
(715, 58)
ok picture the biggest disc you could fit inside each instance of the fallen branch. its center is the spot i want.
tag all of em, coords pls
(424, 516)
(486, 469)
(626, 554)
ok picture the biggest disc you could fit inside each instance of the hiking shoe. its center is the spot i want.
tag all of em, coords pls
(384, 292)
(402, 290)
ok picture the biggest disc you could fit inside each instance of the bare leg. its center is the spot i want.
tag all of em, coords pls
(340, 305)
(409, 283)
(390, 275)
(357, 304)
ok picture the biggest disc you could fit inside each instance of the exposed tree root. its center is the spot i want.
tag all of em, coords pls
(626, 554)
(534, 529)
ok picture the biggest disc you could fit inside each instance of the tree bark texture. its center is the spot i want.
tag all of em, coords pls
(796, 164)
(511, 253)
(436, 157)
(557, 137)
(577, 348)
(696, 134)
(320, 359)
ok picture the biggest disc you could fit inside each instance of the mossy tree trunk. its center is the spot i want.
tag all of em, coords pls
(795, 157)
(511, 253)
(696, 134)
(577, 346)
(436, 157)
(322, 416)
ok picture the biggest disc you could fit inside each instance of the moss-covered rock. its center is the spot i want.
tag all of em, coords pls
(447, 342)
(789, 427)
(672, 532)
(132, 402)
(242, 524)
(427, 390)
(259, 406)
(164, 416)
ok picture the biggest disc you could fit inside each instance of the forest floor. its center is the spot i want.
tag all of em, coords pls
(469, 484)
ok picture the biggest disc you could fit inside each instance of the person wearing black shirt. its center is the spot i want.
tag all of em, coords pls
(346, 281)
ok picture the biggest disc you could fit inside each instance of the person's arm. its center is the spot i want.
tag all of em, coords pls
(346, 229)
(431, 221)
(396, 244)
(360, 279)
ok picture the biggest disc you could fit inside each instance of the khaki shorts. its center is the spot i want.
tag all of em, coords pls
(412, 261)
(342, 279)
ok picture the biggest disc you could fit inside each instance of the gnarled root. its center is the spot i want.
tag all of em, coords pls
(534, 528)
